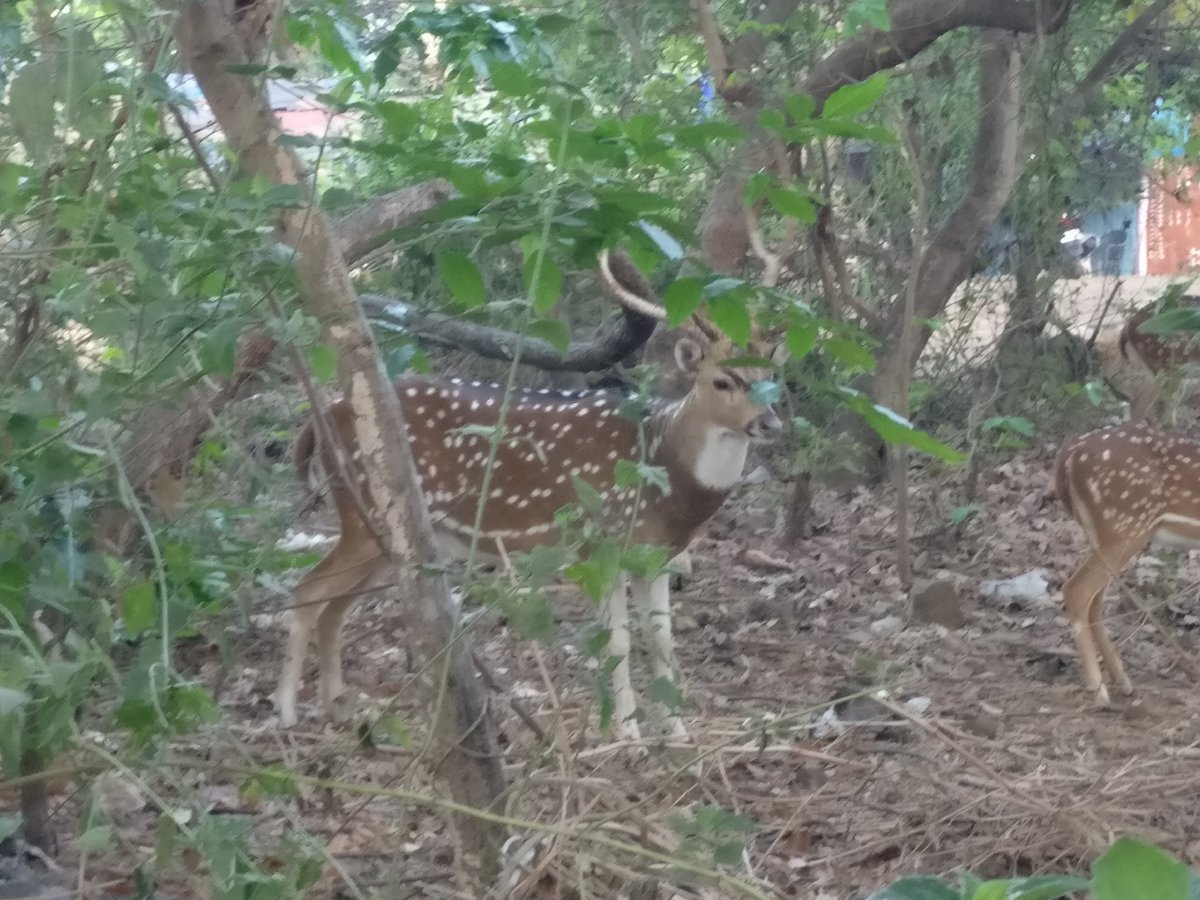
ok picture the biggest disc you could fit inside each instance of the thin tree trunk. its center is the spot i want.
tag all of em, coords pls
(465, 744)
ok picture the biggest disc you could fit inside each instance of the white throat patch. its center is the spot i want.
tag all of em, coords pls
(722, 456)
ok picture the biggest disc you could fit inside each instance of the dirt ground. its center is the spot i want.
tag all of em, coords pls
(983, 754)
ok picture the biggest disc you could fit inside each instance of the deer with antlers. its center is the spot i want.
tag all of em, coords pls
(1127, 486)
(549, 439)
(1160, 361)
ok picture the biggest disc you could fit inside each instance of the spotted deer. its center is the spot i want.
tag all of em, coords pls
(1160, 361)
(549, 438)
(1127, 486)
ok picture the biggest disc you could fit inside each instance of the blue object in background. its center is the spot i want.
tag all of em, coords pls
(1177, 126)
(708, 96)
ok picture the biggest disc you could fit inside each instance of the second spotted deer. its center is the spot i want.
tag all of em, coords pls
(1161, 361)
(549, 438)
(1127, 487)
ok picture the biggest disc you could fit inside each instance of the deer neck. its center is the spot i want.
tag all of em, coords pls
(696, 453)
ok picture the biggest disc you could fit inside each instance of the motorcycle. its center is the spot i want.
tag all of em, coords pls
(1076, 245)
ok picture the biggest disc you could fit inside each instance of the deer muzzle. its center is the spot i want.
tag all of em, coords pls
(766, 428)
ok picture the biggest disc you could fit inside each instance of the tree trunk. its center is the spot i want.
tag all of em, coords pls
(464, 741)
(948, 257)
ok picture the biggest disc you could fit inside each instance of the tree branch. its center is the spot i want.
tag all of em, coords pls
(915, 24)
(370, 226)
(993, 173)
(612, 342)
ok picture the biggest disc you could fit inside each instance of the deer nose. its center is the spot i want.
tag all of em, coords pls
(766, 427)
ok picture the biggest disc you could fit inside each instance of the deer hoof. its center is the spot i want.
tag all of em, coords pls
(1102, 700)
(287, 714)
(339, 708)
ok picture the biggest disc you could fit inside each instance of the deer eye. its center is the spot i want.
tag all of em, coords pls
(723, 384)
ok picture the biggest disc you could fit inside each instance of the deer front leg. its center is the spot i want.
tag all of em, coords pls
(654, 596)
(303, 619)
(614, 613)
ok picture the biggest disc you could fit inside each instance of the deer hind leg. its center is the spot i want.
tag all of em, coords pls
(1108, 650)
(654, 597)
(614, 613)
(336, 577)
(329, 637)
(1083, 596)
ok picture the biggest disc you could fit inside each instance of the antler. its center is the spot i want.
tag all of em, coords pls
(610, 344)
(639, 300)
(772, 261)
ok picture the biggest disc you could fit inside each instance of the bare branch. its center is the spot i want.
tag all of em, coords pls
(915, 24)
(370, 226)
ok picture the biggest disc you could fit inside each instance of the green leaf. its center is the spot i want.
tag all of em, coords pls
(218, 351)
(31, 97)
(596, 574)
(1016, 424)
(1039, 887)
(1135, 870)
(772, 119)
(462, 278)
(852, 100)
(387, 57)
(391, 730)
(729, 313)
(96, 839)
(322, 359)
(553, 332)
(757, 186)
(401, 119)
(245, 68)
(588, 496)
(138, 608)
(549, 283)
(791, 202)
(10, 701)
(920, 887)
(682, 299)
(800, 107)
(895, 429)
(530, 616)
(337, 43)
(801, 338)
(272, 781)
(1172, 321)
(665, 691)
(867, 12)
(645, 560)
(849, 353)
(510, 78)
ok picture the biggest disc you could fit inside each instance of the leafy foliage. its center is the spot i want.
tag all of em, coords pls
(1131, 869)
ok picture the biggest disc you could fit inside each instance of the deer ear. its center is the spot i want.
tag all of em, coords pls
(688, 355)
